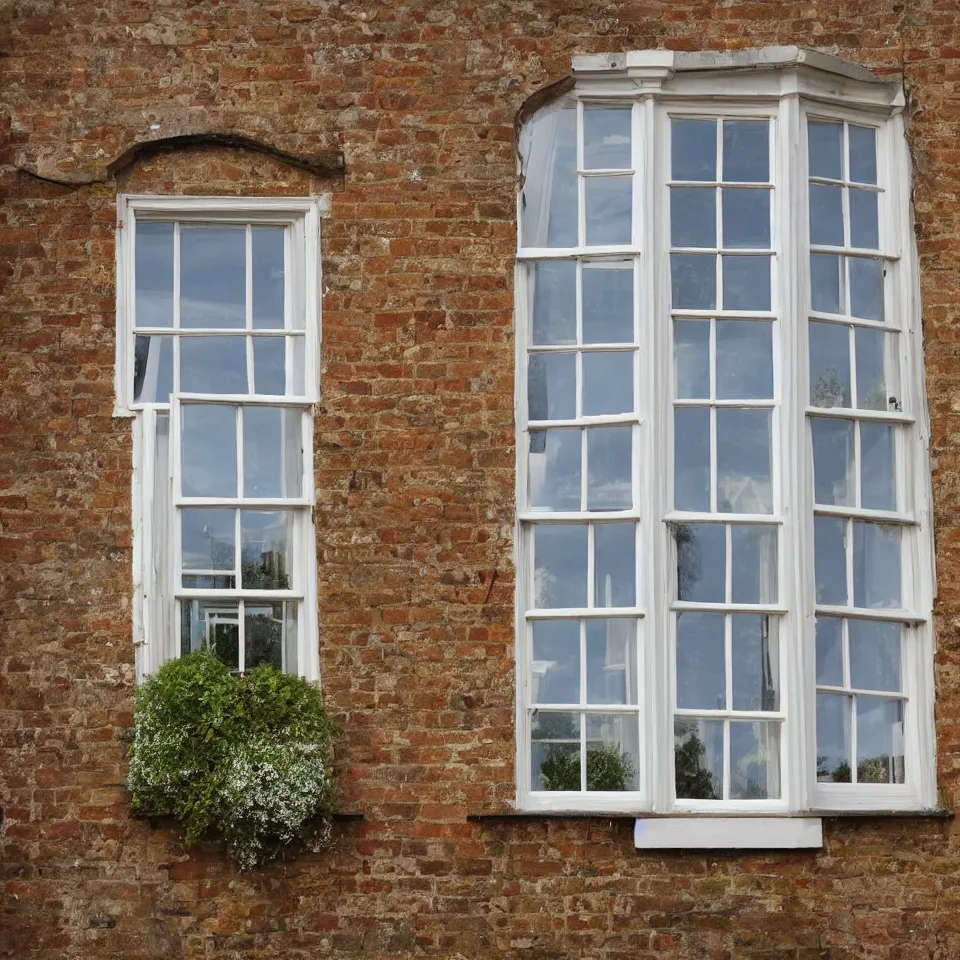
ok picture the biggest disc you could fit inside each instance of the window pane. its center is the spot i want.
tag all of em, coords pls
(555, 667)
(152, 369)
(560, 565)
(863, 154)
(864, 221)
(554, 469)
(756, 662)
(607, 303)
(746, 283)
(825, 283)
(829, 365)
(154, 274)
(609, 212)
(878, 483)
(744, 360)
(552, 386)
(694, 281)
(211, 625)
(698, 759)
(555, 751)
(554, 296)
(612, 661)
(701, 671)
(701, 561)
(691, 454)
(833, 738)
(612, 752)
(754, 563)
(826, 215)
(266, 539)
(607, 383)
(263, 634)
(746, 151)
(691, 359)
(833, 461)
(616, 565)
(872, 386)
(268, 278)
(693, 217)
(830, 651)
(754, 760)
(207, 539)
(609, 468)
(272, 452)
(743, 461)
(213, 364)
(879, 740)
(825, 149)
(269, 366)
(830, 559)
(549, 206)
(746, 218)
(209, 451)
(866, 288)
(213, 276)
(606, 138)
(876, 565)
(874, 655)
(693, 148)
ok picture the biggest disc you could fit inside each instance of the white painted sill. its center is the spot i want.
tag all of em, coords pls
(728, 833)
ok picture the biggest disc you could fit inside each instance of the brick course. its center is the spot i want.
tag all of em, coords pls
(414, 447)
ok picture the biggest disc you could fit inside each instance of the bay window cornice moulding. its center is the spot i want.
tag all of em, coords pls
(771, 72)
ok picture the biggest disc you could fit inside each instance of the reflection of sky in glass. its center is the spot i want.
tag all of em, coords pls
(560, 561)
(207, 537)
(830, 651)
(213, 275)
(743, 461)
(268, 277)
(554, 469)
(746, 151)
(701, 675)
(611, 661)
(209, 451)
(606, 138)
(608, 202)
(744, 360)
(833, 461)
(693, 148)
(833, 738)
(213, 365)
(825, 149)
(874, 654)
(554, 293)
(693, 217)
(830, 559)
(746, 218)
(616, 564)
(154, 274)
(756, 662)
(555, 669)
(607, 303)
(754, 760)
(754, 574)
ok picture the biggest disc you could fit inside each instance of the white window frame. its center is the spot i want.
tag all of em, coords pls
(155, 607)
(786, 84)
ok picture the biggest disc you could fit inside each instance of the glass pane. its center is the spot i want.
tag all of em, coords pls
(825, 283)
(746, 283)
(826, 215)
(746, 218)
(609, 468)
(878, 490)
(555, 751)
(876, 565)
(743, 461)
(291, 644)
(268, 277)
(554, 469)
(616, 564)
(693, 217)
(296, 373)
(701, 674)
(863, 154)
(833, 461)
(698, 759)
(693, 149)
(866, 288)
(874, 655)
(830, 651)
(263, 634)
(211, 625)
(607, 302)
(691, 458)
(613, 752)
(607, 383)
(555, 666)
(266, 539)
(744, 360)
(269, 366)
(548, 145)
(829, 365)
(152, 369)
(872, 386)
(691, 359)
(746, 151)
(552, 386)
(560, 565)
(756, 662)
(879, 740)
(608, 202)
(754, 563)
(606, 138)
(694, 281)
(213, 364)
(754, 760)
(833, 738)
(272, 452)
(825, 149)
(701, 561)
(207, 539)
(154, 274)
(830, 559)
(864, 220)
(209, 450)
(193, 581)
(554, 294)
(612, 661)
(213, 276)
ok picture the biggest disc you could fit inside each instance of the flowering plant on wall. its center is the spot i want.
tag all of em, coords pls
(247, 757)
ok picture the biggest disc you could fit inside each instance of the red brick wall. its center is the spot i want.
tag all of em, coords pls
(414, 464)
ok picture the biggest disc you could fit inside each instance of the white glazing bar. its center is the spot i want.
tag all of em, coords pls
(727, 714)
(592, 565)
(582, 652)
(713, 459)
(225, 332)
(569, 613)
(848, 556)
(241, 637)
(239, 426)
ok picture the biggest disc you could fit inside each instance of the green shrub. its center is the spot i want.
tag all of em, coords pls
(247, 757)
(608, 768)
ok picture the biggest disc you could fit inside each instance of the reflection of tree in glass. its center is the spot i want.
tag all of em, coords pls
(830, 390)
(688, 559)
(839, 774)
(266, 572)
(608, 768)
(264, 636)
(223, 638)
(874, 770)
(554, 726)
(693, 780)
